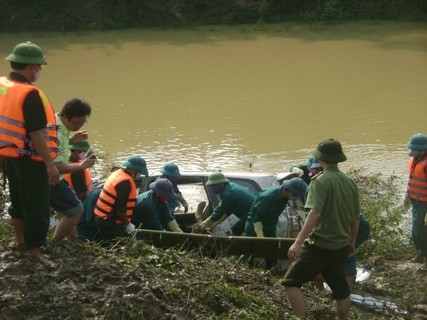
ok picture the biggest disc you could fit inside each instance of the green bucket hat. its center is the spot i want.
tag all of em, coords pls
(28, 53)
(216, 178)
(171, 169)
(136, 163)
(417, 142)
(330, 150)
(80, 146)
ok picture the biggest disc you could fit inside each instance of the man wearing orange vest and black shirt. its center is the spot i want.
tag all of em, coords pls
(80, 181)
(417, 196)
(114, 208)
(28, 145)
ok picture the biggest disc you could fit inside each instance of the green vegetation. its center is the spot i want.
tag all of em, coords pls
(79, 15)
(381, 202)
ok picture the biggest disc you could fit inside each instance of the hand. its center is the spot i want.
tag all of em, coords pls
(88, 162)
(130, 228)
(259, 229)
(185, 205)
(53, 174)
(425, 219)
(352, 249)
(196, 228)
(79, 136)
(208, 223)
(298, 171)
(294, 251)
(406, 202)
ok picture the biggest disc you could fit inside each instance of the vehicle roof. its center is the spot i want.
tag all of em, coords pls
(264, 180)
(233, 174)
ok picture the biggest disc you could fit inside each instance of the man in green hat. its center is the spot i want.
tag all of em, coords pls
(416, 195)
(235, 199)
(28, 145)
(171, 172)
(115, 205)
(331, 228)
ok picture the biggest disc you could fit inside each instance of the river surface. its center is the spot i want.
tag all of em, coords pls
(240, 99)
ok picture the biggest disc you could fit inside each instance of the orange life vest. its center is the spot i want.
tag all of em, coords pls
(15, 141)
(87, 176)
(107, 199)
(417, 182)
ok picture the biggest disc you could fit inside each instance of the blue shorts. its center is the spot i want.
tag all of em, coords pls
(63, 200)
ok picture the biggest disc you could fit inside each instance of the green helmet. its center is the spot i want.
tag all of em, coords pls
(28, 53)
(216, 178)
(171, 169)
(136, 163)
(418, 142)
(330, 150)
(80, 146)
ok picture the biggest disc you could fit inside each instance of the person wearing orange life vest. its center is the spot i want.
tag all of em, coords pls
(80, 181)
(114, 207)
(416, 195)
(28, 145)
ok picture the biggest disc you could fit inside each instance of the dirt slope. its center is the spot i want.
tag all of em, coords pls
(137, 281)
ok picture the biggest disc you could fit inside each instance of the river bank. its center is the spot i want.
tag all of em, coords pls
(65, 16)
(135, 281)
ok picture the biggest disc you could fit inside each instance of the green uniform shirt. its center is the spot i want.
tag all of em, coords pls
(63, 143)
(335, 196)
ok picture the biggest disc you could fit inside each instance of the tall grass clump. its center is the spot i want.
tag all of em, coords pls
(381, 202)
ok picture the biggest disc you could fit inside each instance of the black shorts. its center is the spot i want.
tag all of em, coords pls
(314, 260)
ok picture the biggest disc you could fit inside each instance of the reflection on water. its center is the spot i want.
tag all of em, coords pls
(232, 98)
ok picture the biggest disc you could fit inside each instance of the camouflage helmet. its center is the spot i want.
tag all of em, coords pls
(216, 178)
(28, 53)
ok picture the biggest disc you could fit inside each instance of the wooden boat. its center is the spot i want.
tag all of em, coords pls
(214, 246)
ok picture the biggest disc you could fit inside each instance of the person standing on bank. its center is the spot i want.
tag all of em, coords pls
(417, 195)
(80, 181)
(114, 208)
(63, 199)
(331, 227)
(28, 145)
(171, 172)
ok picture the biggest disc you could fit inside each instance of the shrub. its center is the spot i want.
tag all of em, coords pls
(381, 203)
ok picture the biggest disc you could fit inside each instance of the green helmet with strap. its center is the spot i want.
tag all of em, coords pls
(216, 178)
(28, 53)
